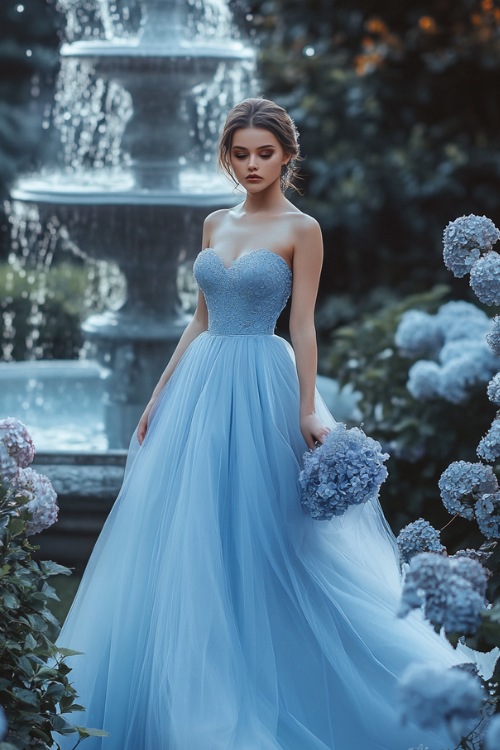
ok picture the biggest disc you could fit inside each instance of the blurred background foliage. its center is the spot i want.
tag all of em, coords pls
(398, 106)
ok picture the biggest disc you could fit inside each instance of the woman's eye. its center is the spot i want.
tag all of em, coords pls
(266, 156)
(239, 156)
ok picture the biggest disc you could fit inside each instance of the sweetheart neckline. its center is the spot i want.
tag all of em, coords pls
(244, 255)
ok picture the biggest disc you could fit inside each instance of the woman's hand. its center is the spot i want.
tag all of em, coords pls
(143, 424)
(312, 430)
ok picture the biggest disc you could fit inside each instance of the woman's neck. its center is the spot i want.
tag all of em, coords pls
(268, 200)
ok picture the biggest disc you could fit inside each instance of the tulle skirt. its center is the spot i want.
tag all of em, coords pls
(214, 614)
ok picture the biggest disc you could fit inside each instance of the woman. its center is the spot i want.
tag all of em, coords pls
(214, 614)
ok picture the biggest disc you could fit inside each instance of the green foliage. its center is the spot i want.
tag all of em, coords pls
(41, 313)
(34, 684)
(397, 105)
(422, 437)
(35, 687)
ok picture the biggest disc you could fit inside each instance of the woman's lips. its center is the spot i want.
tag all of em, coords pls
(253, 178)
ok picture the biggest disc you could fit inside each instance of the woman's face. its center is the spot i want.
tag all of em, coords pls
(256, 158)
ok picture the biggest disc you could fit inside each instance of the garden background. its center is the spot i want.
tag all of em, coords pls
(398, 107)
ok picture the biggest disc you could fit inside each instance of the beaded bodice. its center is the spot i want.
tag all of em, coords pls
(246, 297)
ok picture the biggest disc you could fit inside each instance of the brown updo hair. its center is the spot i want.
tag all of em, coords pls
(266, 114)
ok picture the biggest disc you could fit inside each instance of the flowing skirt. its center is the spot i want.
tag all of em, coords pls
(214, 614)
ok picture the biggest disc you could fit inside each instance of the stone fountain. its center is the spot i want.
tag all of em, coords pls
(141, 97)
(139, 112)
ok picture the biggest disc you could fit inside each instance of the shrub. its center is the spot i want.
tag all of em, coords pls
(34, 683)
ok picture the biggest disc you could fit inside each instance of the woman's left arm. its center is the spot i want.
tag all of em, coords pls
(307, 262)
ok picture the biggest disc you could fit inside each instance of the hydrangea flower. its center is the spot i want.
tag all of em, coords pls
(16, 447)
(456, 606)
(8, 465)
(489, 446)
(41, 499)
(462, 484)
(493, 389)
(15, 436)
(466, 363)
(488, 515)
(471, 570)
(462, 320)
(346, 469)
(473, 349)
(472, 554)
(493, 337)
(493, 734)
(485, 279)
(464, 359)
(427, 570)
(416, 537)
(423, 380)
(461, 310)
(433, 697)
(457, 377)
(464, 239)
(418, 333)
(451, 590)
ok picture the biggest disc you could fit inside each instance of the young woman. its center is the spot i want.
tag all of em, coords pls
(214, 614)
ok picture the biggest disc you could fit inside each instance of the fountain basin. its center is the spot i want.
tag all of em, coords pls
(60, 402)
(175, 48)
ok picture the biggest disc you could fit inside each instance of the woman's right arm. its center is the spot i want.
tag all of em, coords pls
(197, 325)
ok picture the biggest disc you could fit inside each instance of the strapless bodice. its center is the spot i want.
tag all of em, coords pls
(245, 298)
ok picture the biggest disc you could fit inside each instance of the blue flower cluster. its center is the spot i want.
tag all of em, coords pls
(434, 697)
(424, 380)
(473, 554)
(418, 333)
(489, 446)
(451, 591)
(485, 279)
(462, 484)
(347, 469)
(488, 515)
(416, 537)
(493, 337)
(493, 389)
(465, 239)
(456, 338)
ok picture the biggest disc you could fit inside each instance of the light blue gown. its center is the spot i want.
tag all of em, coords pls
(214, 614)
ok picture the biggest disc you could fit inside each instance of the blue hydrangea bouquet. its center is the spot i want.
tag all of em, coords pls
(346, 469)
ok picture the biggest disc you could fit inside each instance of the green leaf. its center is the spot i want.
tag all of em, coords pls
(10, 601)
(26, 696)
(16, 526)
(69, 652)
(55, 692)
(50, 568)
(89, 732)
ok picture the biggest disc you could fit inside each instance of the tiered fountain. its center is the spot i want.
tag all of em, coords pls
(139, 114)
(139, 110)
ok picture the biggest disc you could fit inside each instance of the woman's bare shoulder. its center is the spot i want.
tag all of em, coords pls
(303, 225)
(214, 219)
